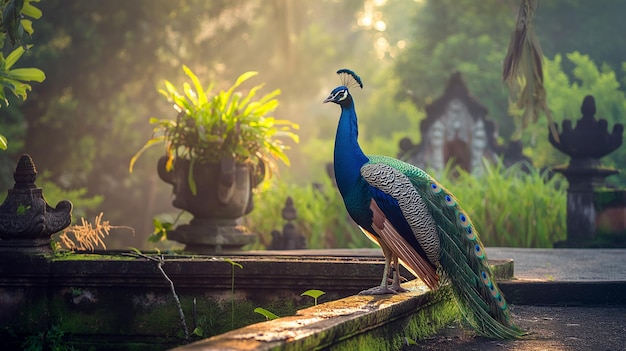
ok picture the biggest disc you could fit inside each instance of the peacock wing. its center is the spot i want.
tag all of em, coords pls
(394, 220)
(461, 257)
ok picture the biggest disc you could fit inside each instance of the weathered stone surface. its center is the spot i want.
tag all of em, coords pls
(26, 220)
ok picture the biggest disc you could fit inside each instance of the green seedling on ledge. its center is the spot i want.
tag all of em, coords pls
(232, 291)
(267, 314)
(314, 294)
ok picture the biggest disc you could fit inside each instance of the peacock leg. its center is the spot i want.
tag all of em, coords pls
(395, 285)
(382, 288)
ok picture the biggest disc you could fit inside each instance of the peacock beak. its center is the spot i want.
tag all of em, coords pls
(328, 99)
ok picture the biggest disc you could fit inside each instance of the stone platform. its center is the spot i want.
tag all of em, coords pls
(594, 278)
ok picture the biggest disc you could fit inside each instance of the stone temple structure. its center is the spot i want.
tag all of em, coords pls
(456, 129)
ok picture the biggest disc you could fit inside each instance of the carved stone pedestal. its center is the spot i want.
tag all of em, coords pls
(26, 220)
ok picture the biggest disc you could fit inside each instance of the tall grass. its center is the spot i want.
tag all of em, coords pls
(508, 206)
(322, 217)
(511, 207)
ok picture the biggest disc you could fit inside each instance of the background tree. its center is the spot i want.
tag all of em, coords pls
(106, 59)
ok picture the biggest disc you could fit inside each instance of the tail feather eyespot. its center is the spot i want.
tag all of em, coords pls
(470, 233)
(449, 200)
(435, 188)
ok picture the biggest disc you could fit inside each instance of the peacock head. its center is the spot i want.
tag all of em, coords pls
(340, 95)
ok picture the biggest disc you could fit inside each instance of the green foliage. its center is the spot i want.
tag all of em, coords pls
(510, 207)
(82, 202)
(15, 26)
(565, 96)
(322, 217)
(459, 35)
(51, 339)
(229, 124)
(13, 79)
(160, 230)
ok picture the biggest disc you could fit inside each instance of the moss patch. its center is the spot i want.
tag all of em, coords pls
(425, 322)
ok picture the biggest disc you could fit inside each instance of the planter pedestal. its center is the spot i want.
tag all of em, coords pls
(209, 235)
(223, 196)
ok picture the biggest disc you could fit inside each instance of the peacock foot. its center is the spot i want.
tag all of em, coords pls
(378, 290)
(398, 289)
(402, 279)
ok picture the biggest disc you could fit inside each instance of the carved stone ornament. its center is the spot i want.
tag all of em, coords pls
(26, 220)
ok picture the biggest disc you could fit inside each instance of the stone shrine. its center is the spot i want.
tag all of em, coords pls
(456, 129)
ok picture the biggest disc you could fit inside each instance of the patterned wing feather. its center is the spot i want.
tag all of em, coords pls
(461, 257)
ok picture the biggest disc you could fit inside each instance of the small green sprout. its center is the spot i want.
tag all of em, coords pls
(314, 294)
(268, 315)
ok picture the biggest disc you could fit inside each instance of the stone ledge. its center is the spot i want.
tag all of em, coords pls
(355, 322)
(371, 322)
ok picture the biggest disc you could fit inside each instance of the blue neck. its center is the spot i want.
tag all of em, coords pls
(348, 157)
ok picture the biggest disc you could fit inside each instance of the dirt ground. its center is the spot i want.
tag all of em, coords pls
(550, 328)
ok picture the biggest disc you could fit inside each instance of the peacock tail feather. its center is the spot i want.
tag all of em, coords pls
(449, 239)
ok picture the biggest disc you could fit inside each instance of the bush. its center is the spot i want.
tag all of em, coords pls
(510, 207)
(322, 217)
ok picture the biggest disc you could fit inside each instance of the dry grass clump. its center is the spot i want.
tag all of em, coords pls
(86, 236)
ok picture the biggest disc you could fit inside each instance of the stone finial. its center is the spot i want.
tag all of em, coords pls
(26, 220)
(290, 238)
(25, 173)
(289, 211)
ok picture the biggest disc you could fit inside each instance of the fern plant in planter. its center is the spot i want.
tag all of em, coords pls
(217, 149)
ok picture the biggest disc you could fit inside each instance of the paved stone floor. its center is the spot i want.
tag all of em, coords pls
(565, 264)
(553, 328)
(550, 329)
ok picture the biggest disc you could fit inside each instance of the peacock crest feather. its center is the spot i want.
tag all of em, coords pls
(349, 79)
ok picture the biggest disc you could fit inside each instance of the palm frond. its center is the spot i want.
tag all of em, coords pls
(523, 70)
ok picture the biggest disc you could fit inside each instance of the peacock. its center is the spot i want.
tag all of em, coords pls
(416, 222)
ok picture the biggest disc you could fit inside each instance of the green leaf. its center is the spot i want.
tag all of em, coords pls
(409, 341)
(28, 26)
(148, 144)
(267, 314)
(200, 94)
(313, 293)
(30, 10)
(21, 210)
(14, 56)
(190, 179)
(198, 331)
(3, 142)
(28, 74)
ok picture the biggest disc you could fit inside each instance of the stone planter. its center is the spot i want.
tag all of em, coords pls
(223, 197)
